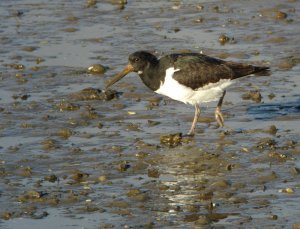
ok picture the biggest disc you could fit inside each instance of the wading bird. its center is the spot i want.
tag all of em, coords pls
(191, 78)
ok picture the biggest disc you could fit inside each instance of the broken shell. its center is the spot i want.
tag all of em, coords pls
(131, 113)
(286, 190)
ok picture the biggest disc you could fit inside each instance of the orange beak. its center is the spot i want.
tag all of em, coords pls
(129, 68)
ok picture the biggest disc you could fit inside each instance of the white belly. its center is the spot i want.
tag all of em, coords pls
(177, 91)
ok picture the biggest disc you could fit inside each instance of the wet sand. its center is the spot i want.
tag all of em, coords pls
(74, 157)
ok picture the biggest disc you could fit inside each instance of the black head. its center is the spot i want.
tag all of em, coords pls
(138, 62)
(141, 60)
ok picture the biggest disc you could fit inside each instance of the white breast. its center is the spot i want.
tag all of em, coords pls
(179, 92)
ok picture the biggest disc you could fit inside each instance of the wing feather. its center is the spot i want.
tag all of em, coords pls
(198, 70)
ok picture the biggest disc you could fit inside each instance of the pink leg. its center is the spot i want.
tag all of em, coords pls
(218, 113)
(195, 120)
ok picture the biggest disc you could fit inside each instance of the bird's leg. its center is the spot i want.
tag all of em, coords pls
(218, 113)
(197, 114)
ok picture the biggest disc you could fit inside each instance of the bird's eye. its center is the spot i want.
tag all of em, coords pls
(136, 59)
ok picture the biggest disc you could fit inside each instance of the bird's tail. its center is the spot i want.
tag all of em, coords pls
(261, 71)
(241, 70)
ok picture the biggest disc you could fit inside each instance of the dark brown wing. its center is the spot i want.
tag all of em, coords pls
(198, 70)
(240, 69)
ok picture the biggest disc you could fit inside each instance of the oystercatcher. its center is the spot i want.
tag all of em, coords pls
(191, 78)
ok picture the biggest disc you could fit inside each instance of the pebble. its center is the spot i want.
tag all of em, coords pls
(96, 69)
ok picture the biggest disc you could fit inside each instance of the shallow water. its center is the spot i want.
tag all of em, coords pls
(100, 164)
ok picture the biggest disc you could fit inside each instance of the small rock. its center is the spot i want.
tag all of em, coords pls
(291, 144)
(102, 178)
(152, 123)
(70, 30)
(30, 195)
(202, 220)
(295, 171)
(100, 125)
(221, 184)
(96, 69)
(96, 94)
(133, 127)
(229, 167)
(163, 187)
(91, 3)
(7, 215)
(26, 172)
(50, 144)
(274, 217)
(16, 66)
(267, 178)
(278, 156)
(285, 65)
(296, 226)
(252, 95)
(153, 173)
(266, 143)
(66, 106)
(64, 133)
(123, 166)
(78, 176)
(133, 192)
(206, 196)
(71, 18)
(281, 15)
(191, 218)
(39, 60)
(171, 140)
(51, 178)
(272, 130)
(141, 155)
(223, 39)
(118, 204)
(271, 96)
(153, 102)
(29, 48)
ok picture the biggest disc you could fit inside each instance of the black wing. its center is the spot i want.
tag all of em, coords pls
(198, 70)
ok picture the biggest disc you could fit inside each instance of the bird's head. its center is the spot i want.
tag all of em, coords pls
(138, 62)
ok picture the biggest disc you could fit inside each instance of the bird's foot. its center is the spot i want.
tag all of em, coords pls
(219, 117)
(190, 134)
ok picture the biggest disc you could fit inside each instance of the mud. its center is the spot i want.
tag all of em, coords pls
(75, 155)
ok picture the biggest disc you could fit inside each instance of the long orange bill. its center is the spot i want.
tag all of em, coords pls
(120, 75)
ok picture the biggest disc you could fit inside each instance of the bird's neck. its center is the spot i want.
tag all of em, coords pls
(151, 76)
